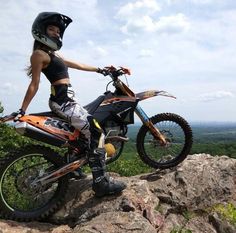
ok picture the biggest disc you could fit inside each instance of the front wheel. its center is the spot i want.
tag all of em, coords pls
(178, 135)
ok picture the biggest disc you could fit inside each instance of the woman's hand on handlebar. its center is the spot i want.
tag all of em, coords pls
(103, 71)
(113, 71)
(108, 70)
(17, 115)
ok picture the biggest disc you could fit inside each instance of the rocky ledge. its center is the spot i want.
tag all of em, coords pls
(191, 198)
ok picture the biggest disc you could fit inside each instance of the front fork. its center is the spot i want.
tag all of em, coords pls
(146, 121)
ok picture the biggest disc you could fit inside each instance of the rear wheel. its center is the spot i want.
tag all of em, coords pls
(19, 198)
(119, 146)
(178, 135)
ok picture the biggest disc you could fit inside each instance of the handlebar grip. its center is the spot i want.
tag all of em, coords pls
(7, 118)
(113, 71)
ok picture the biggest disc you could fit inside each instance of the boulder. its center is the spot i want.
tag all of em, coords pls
(181, 199)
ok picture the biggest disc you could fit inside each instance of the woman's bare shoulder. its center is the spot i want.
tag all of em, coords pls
(39, 52)
(40, 55)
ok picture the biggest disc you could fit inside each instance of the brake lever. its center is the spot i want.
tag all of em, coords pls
(125, 70)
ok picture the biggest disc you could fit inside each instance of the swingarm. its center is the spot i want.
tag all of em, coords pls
(51, 177)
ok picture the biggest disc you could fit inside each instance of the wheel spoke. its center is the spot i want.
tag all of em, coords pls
(22, 198)
(17, 191)
(175, 142)
(177, 134)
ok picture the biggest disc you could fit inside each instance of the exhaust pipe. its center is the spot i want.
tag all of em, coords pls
(25, 129)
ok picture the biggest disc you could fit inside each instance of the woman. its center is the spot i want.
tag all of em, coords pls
(47, 30)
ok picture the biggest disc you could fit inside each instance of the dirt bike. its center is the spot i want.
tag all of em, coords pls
(34, 179)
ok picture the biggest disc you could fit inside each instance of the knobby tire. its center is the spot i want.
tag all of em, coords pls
(47, 209)
(178, 158)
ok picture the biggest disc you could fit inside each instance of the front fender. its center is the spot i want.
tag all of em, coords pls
(148, 94)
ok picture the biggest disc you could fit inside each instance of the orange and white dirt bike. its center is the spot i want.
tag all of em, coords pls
(34, 180)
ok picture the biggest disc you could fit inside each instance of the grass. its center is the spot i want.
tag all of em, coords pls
(129, 167)
(226, 211)
(178, 229)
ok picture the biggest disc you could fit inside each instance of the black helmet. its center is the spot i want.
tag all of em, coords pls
(50, 18)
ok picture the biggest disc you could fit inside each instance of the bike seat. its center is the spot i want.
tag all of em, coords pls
(92, 107)
(49, 114)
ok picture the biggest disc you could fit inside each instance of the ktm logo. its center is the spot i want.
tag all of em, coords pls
(59, 125)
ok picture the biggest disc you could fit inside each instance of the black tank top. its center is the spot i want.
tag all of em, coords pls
(56, 69)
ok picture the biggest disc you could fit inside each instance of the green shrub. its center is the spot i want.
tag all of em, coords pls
(227, 211)
(129, 167)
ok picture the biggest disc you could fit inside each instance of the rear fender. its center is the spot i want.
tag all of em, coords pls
(149, 94)
(52, 126)
(44, 128)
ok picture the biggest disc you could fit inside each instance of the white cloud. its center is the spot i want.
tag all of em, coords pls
(8, 89)
(166, 24)
(100, 52)
(127, 42)
(90, 43)
(173, 23)
(201, 1)
(182, 48)
(215, 96)
(195, 2)
(138, 8)
(145, 23)
(141, 16)
(97, 51)
(146, 53)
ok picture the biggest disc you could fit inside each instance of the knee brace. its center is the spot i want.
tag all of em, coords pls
(97, 135)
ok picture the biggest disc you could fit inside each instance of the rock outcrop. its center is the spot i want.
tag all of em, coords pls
(180, 200)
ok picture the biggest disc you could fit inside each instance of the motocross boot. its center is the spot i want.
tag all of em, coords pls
(102, 184)
(78, 174)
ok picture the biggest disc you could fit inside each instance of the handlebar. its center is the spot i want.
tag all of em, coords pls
(114, 73)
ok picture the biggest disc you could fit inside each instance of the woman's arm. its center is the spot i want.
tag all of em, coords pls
(37, 60)
(80, 66)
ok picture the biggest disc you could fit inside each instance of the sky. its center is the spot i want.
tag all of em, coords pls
(185, 47)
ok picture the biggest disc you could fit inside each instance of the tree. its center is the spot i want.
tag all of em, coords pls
(1, 108)
(9, 139)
